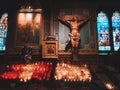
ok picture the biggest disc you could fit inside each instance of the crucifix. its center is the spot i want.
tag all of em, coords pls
(74, 22)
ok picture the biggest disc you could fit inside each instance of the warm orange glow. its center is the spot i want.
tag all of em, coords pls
(29, 17)
(37, 18)
(109, 86)
(25, 72)
(28, 27)
(24, 18)
(68, 72)
(21, 19)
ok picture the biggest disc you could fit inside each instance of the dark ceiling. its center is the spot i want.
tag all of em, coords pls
(16, 4)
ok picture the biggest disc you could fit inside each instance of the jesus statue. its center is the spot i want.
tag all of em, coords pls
(74, 22)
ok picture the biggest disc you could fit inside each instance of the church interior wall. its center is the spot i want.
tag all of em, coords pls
(59, 30)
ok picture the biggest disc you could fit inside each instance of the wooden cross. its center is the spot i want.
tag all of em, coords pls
(74, 22)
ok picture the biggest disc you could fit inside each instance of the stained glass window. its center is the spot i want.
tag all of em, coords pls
(3, 31)
(103, 32)
(116, 30)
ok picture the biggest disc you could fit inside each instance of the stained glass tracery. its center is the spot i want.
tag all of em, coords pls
(116, 29)
(103, 32)
(3, 31)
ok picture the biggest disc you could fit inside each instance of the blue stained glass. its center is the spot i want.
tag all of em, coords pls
(2, 44)
(3, 31)
(116, 29)
(103, 32)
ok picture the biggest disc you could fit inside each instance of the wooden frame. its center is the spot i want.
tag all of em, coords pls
(50, 49)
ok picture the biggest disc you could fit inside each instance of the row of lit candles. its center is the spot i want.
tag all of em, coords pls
(69, 72)
(42, 71)
(25, 72)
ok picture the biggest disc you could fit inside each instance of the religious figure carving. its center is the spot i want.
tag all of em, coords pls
(74, 22)
(74, 39)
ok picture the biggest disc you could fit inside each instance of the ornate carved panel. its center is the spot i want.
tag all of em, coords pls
(50, 49)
